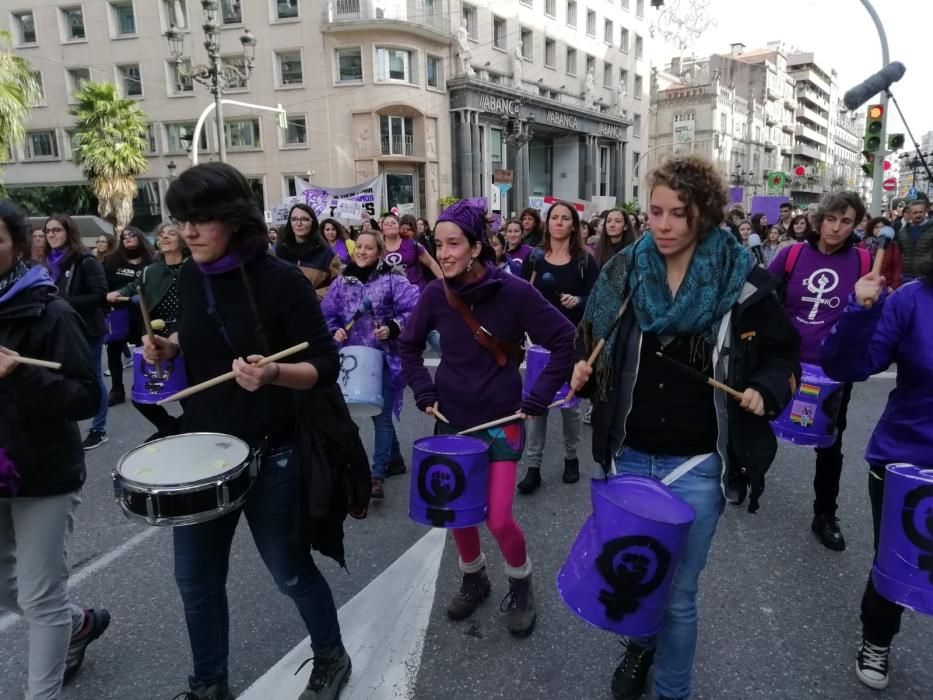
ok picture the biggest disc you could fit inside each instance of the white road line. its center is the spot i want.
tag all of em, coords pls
(9, 620)
(383, 629)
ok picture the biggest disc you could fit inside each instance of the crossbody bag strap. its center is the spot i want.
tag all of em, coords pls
(214, 313)
(502, 350)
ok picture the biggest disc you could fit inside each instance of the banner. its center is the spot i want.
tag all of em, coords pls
(324, 200)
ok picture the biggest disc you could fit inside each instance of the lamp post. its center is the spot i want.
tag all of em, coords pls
(216, 75)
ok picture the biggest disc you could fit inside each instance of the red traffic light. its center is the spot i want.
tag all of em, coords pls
(875, 112)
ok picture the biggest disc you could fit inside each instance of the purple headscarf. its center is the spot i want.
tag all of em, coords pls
(470, 216)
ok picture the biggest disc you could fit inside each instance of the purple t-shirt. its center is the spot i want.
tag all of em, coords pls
(817, 291)
(406, 257)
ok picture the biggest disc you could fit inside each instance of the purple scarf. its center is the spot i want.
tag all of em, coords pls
(54, 262)
(9, 477)
(220, 265)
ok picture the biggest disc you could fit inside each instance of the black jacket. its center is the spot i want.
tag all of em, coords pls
(84, 285)
(39, 407)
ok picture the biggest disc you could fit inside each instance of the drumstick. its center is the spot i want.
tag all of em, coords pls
(700, 377)
(884, 238)
(147, 323)
(440, 416)
(123, 299)
(36, 363)
(365, 306)
(197, 388)
(491, 424)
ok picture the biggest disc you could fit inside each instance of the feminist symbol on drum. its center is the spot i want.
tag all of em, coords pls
(346, 369)
(633, 566)
(155, 382)
(917, 521)
(819, 283)
(440, 481)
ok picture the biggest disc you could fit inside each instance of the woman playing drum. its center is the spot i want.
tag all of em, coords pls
(478, 380)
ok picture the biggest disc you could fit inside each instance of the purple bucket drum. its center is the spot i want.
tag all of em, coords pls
(151, 387)
(810, 418)
(619, 571)
(536, 360)
(903, 569)
(449, 481)
(118, 325)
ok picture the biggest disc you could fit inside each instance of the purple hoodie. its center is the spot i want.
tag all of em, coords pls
(468, 385)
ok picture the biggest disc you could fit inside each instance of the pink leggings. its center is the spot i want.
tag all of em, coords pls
(500, 521)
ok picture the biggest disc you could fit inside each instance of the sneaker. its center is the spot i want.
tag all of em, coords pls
(217, 691)
(94, 439)
(588, 415)
(571, 471)
(474, 589)
(826, 527)
(631, 676)
(519, 606)
(330, 672)
(96, 623)
(106, 372)
(531, 482)
(116, 398)
(378, 490)
(127, 362)
(397, 467)
(871, 665)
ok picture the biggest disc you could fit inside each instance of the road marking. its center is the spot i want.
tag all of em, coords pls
(383, 629)
(10, 619)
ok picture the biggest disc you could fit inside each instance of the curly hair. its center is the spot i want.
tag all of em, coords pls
(700, 187)
(836, 203)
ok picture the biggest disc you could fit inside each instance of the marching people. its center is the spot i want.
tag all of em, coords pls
(894, 329)
(784, 220)
(338, 239)
(405, 253)
(240, 304)
(497, 243)
(564, 273)
(82, 282)
(745, 229)
(800, 228)
(426, 236)
(772, 244)
(516, 250)
(41, 461)
(391, 300)
(302, 244)
(915, 237)
(691, 291)
(37, 250)
(106, 243)
(818, 275)
(892, 265)
(617, 233)
(532, 229)
(478, 380)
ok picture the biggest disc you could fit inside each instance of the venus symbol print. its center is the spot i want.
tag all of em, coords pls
(819, 284)
(450, 480)
(633, 567)
(917, 520)
(360, 380)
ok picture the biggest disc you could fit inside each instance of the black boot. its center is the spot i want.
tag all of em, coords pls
(218, 691)
(474, 589)
(519, 606)
(571, 471)
(826, 527)
(631, 676)
(531, 482)
(330, 673)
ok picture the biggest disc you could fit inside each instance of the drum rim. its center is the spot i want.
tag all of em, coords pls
(226, 475)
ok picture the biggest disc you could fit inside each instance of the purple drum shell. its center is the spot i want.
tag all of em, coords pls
(619, 572)
(810, 417)
(449, 481)
(536, 360)
(149, 387)
(118, 324)
(903, 568)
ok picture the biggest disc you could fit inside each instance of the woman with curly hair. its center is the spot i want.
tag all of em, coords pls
(800, 228)
(338, 239)
(693, 293)
(532, 229)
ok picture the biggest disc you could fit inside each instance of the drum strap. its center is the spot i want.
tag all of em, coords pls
(502, 350)
(684, 468)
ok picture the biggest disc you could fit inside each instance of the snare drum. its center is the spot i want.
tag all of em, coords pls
(185, 479)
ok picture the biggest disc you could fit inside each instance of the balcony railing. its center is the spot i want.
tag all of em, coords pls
(419, 15)
(398, 145)
(809, 152)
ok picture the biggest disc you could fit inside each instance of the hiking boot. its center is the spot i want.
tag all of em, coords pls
(531, 482)
(826, 527)
(571, 471)
(115, 398)
(330, 672)
(94, 439)
(397, 467)
(218, 691)
(631, 675)
(378, 489)
(871, 665)
(474, 589)
(96, 623)
(519, 606)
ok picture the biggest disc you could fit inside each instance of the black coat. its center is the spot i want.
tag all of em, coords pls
(83, 284)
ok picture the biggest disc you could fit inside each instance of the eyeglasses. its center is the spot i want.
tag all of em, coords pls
(300, 220)
(128, 236)
(56, 229)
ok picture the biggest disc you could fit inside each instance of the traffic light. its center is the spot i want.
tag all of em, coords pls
(895, 142)
(868, 167)
(874, 124)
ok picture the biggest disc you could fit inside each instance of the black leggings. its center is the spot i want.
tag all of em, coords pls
(115, 365)
(829, 463)
(159, 417)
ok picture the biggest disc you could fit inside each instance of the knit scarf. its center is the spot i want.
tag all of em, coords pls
(55, 260)
(220, 265)
(12, 276)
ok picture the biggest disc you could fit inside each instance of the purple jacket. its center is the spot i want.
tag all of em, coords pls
(865, 341)
(393, 298)
(469, 386)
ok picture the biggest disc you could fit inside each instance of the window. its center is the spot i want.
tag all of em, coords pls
(124, 19)
(550, 53)
(608, 72)
(639, 8)
(571, 61)
(572, 13)
(608, 31)
(290, 183)
(397, 135)
(639, 46)
(625, 4)
(37, 76)
(499, 33)
(258, 189)
(290, 69)
(295, 132)
(394, 64)
(434, 68)
(590, 23)
(73, 21)
(550, 8)
(231, 12)
(528, 44)
(180, 77)
(529, 3)
(495, 146)
(41, 145)
(623, 78)
(623, 39)
(349, 63)
(468, 13)
(178, 137)
(25, 24)
(722, 123)
(590, 65)
(150, 137)
(636, 124)
(130, 80)
(286, 9)
(242, 133)
(76, 76)
(176, 13)
(638, 86)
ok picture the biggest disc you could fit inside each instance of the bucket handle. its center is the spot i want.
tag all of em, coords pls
(685, 468)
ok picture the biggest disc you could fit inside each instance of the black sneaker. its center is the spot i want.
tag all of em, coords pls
(94, 439)
(531, 482)
(871, 665)
(330, 673)
(519, 607)
(115, 398)
(377, 488)
(631, 676)
(209, 692)
(96, 623)
(474, 589)
(826, 527)
(397, 467)
(571, 471)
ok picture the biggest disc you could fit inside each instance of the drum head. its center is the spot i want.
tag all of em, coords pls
(183, 459)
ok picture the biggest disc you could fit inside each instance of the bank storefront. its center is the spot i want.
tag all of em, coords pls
(552, 148)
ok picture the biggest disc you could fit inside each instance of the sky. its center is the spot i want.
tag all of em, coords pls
(841, 35)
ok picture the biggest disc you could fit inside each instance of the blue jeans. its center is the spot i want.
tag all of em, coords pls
(386, 446)
(676, 643)
(434, 341)
(100, 420)
(202, 556)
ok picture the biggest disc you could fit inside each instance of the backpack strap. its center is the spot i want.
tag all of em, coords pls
(793, 255)
(864, 262)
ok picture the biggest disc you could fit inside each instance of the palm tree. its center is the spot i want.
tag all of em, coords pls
(19, 93)
(110, 144)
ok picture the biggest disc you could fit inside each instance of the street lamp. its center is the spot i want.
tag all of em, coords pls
(216, 75)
